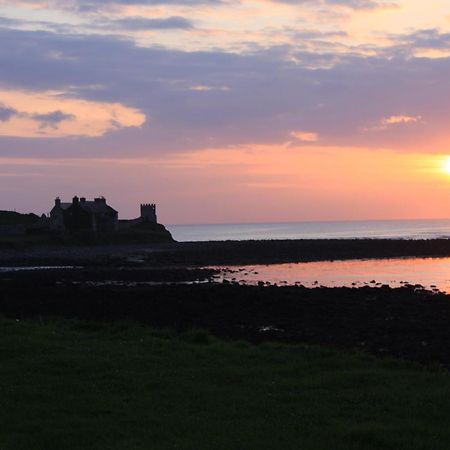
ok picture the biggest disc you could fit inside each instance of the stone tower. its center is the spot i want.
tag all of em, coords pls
(148, 212)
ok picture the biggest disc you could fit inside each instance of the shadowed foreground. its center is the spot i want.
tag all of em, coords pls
(406, 322)
(79, 385)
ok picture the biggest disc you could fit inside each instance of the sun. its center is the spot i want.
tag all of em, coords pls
(446, 165)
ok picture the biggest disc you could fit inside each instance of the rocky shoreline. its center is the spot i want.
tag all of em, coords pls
(167, 286)
(409, 322)
(224, 252)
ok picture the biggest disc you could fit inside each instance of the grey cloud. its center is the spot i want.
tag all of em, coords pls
(406, 45)
(268, 96)
(362, 4)
(5, 21)
(6, 113)
(156, 2)
(94, 5)
(424, 39)
(140, 23)
(52, 119)
(354, 4)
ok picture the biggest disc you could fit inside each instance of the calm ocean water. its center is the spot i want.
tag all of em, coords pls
(390, 229)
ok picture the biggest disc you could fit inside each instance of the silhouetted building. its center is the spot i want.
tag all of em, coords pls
(95, 216)
(57, 214)
(84, 215)
(148, 212)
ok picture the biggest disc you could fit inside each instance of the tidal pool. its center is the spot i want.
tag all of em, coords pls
(29, 268)
(431, 273)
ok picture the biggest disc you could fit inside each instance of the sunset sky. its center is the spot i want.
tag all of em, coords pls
(228, 110)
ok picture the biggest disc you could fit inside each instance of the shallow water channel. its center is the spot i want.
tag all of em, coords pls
(431, 273)
(6, 269)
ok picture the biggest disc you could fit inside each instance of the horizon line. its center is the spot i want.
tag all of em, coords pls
(308, 221)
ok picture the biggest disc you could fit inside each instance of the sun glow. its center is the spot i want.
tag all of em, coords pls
(446, 165)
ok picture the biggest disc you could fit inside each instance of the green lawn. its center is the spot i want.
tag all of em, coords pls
(77, 385)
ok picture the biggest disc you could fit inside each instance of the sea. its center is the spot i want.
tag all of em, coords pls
(388, 229)
(429, 273)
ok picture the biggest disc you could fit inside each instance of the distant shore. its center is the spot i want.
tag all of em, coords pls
(224, 252)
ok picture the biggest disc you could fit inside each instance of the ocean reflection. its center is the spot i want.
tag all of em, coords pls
(431, 273)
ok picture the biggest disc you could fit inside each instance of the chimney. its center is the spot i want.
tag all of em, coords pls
(100, 200)
(57, 201)
(82, 199)
(75, 200)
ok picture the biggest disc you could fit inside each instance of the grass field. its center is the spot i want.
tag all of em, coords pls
(78, 385)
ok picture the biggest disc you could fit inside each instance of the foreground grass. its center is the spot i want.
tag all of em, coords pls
(77, 385)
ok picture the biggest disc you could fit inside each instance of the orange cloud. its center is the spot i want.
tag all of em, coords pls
(395, 120)
(53, 115)
(392, 121)
(201, 87)
(305, 136)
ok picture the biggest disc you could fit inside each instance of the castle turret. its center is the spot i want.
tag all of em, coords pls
(148, 212)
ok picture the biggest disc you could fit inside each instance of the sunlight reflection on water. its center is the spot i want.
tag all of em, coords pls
(432, 273)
